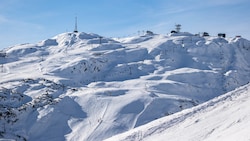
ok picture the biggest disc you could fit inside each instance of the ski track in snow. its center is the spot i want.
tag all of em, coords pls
(99, 122)
(164, 128)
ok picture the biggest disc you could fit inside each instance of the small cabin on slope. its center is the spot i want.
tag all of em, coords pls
(205, 34)
(222, 35)
(149, 32)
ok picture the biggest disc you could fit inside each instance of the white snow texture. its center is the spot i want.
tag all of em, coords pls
(84, 87)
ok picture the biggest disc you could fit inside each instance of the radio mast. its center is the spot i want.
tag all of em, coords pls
(177, 28)
(75, 30)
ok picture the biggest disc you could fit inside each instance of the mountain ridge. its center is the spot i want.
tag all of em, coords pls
(101, 86)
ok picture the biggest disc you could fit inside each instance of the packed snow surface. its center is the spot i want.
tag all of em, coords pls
(79, 86)
(225, 118)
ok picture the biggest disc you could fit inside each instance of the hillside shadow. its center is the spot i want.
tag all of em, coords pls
(55, 125)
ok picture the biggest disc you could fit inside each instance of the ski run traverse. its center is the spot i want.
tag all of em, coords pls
(225, 118)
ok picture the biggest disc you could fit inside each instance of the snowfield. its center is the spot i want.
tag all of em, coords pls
(79, 86)
(225, 118)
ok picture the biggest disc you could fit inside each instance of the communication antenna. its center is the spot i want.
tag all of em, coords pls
(177, 28)
(76, 31)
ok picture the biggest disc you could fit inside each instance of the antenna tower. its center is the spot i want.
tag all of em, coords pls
(75, 30)
(177, 28)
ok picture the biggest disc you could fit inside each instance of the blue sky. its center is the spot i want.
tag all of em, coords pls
(30, 21)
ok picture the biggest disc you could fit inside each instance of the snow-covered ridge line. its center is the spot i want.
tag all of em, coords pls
(85, 83)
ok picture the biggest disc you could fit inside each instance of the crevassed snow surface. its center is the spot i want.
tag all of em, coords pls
(225, 118)
(76, 87)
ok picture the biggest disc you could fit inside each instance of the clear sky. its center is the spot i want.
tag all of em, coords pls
(30, 21)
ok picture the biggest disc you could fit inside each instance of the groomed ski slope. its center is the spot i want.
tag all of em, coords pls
(225, 118)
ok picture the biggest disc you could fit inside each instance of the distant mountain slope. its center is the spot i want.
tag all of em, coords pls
(79, 86)
(223, 118)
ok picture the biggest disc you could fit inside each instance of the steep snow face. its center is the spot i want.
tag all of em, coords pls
(83, 83)
(223, 118)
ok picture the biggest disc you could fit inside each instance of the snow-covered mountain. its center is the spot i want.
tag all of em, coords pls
(225, 118)
(79, 86)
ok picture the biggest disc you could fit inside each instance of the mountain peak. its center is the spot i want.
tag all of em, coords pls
(86, 83)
